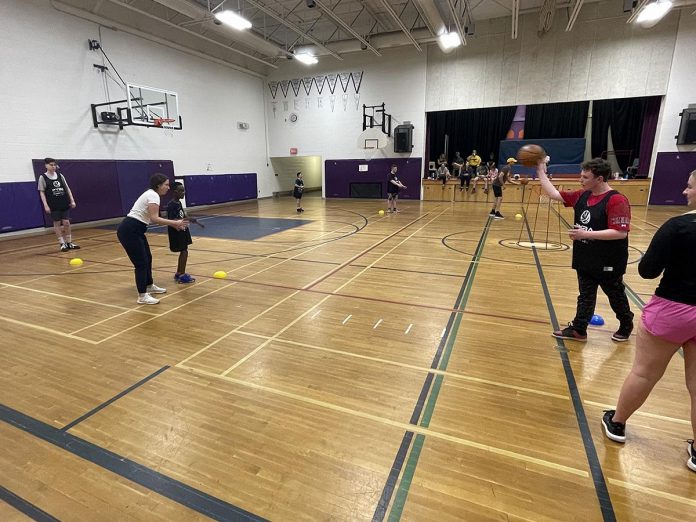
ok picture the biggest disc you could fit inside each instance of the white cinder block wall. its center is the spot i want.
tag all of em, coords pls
(47, 83)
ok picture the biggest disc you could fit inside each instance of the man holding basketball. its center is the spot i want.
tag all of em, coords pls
(600, 245)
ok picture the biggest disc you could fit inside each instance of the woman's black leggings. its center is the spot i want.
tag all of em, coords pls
(131, 234)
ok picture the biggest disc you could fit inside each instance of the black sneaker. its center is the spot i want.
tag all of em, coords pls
(616, 431)
(622, 334)
(569, 332)
(64, 247)
(73, 246)
(498, 215)
(691, 463)
(492, 213)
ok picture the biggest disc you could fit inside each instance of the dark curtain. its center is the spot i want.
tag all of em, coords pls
(556, 120)
(601, 119)
(626, 128)
(480, 129)
(647, 137)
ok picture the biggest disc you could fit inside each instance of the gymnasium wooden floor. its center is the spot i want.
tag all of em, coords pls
(355, 368)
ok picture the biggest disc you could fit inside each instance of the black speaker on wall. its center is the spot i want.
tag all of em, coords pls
(687, 128)
(403, 138)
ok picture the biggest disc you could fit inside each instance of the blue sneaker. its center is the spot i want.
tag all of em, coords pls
(185, 279)
(176, 277)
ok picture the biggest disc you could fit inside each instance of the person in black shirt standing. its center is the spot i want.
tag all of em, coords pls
(57, 200)
(298, 190)
(393, 186)
(179, 239)
(668, 321)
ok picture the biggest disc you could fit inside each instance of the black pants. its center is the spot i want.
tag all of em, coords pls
(464, 179)
(131, 234)
(614, 289)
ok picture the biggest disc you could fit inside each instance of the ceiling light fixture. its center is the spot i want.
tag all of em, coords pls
(306, 58)
(233, 20)
(653, 13)
(450, 40)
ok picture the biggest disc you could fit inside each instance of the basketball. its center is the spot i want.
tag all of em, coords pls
(220, 274)
(381, 212)
(530, 155)
(524, 180)
(76, 261)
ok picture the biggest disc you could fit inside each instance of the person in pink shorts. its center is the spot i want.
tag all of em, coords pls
(668, 322)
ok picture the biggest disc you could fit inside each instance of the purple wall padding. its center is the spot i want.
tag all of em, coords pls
(20, 206)
(134, 179)
(105, 189)
(339, 174)
(206, 189)
(669, 179)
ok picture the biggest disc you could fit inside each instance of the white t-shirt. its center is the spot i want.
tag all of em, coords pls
(140, 210)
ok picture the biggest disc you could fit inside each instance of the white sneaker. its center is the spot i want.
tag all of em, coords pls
(154, 289)
(147, 299)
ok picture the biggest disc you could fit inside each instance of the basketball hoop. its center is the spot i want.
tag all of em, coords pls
(166, 124)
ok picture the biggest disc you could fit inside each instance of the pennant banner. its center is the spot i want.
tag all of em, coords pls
(295, 85)
(284, 84)
(319, 82)
(274, 88)
(357, 80)
(332, 79)
(345, 80)
(307, 82)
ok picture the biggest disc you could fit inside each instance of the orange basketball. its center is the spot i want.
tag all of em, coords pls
(524, 180)
(530, 155)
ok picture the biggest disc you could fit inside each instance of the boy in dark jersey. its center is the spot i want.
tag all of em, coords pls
(393, 186)
(57, 200)
(600, 246)
(297, 191)
(179, 240)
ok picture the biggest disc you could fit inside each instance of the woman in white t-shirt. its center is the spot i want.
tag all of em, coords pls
(131, 234)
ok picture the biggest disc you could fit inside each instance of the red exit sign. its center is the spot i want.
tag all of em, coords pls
(293, 151)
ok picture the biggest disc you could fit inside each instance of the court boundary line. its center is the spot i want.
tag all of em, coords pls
(113, 399)
(24, 506)
(598, 478)
(48, 330)
(150, 479)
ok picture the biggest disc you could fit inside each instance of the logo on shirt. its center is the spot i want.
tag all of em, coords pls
(56, 183)
(585, 217)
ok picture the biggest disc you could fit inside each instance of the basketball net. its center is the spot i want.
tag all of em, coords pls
(369, 153)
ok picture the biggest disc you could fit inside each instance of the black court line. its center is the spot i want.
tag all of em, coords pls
(26, 507)
(590, 450)
(113, 399)
(389, 486)
(183, 494)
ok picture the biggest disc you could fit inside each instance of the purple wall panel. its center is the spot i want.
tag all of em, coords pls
(20, 206)
(205, 189)
(339, 174)
(134, 179)
(669, 179)
(94, 187)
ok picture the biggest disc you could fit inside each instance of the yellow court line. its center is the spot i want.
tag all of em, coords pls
(397, 424)
(88, 301)
(47, 330)
(258, 348)
(423, 369)
(653, 492)
(641, 413)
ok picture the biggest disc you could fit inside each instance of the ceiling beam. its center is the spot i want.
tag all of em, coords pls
(574, 14)
(337, 20)
(400, 23)
(457, 21)
(293, 27)
(637, 10)
(515, 17)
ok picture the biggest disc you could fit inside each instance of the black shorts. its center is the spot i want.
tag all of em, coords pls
(497, 191)
(392, 195)
(60, 215)
(179, 240)
(297, 194)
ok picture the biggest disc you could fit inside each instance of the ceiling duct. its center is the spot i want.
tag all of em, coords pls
(428, 9)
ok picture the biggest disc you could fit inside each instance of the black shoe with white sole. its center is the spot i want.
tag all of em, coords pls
(616, 431)
(691, 463)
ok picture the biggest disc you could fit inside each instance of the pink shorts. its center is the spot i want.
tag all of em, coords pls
(669, 320)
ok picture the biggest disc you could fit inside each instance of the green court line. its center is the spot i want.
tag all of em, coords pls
(410, 468)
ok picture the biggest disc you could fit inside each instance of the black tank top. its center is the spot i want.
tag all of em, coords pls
(598, 257)
(56, 193)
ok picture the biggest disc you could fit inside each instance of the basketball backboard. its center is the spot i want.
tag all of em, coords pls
(144, 107)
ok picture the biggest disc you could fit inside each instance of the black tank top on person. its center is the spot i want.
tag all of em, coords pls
(56, 193)
(598, 257)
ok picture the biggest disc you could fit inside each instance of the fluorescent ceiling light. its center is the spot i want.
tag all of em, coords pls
(450, 40)
(306, 59)
(233, 20)
(653, 13)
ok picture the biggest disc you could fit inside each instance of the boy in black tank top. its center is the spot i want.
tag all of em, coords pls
(600, 246)
(57, 200)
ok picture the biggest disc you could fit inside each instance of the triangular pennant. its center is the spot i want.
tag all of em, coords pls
(295, 82)
(284, 84)
(357, 79)
(319, 82)
(345, 80)
(274, 88)
(307, 82)
(332, 79)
